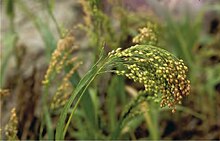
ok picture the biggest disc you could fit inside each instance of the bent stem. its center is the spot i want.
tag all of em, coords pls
(77, 94)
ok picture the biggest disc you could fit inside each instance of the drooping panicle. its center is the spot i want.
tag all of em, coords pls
(161, 73)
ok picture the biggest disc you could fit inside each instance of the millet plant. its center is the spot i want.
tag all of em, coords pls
(161, 73)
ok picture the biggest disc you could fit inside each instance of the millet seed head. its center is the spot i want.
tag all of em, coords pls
(159, 71)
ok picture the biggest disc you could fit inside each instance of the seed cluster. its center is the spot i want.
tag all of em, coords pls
(60, 57)
(11, 128)
(64, 90)
(147, 35)
(159, 71)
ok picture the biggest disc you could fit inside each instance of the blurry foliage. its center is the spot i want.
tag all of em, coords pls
(186, 39)
(98, 113)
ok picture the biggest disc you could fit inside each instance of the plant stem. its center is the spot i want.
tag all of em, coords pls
(148, 117)
(79, 91)
(54, 19)
(46, 115)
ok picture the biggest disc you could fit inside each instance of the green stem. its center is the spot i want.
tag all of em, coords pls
(4, 60)
(54, 19)
(75, 106)
(151, 122)
(78, 92)
(117, 130)
(46, 115)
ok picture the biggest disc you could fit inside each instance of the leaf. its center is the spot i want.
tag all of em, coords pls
(88, 105)
(78, 92)
(115, 91)
(8, 43)
(47, 35)
(45, 32)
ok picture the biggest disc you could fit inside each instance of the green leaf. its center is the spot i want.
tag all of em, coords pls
(76, 95)
(47, 35)
(88, 105)
(115, 91)
(9, 41)
(44, 30)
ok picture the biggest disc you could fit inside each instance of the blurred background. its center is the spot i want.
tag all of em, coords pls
(30, 30)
